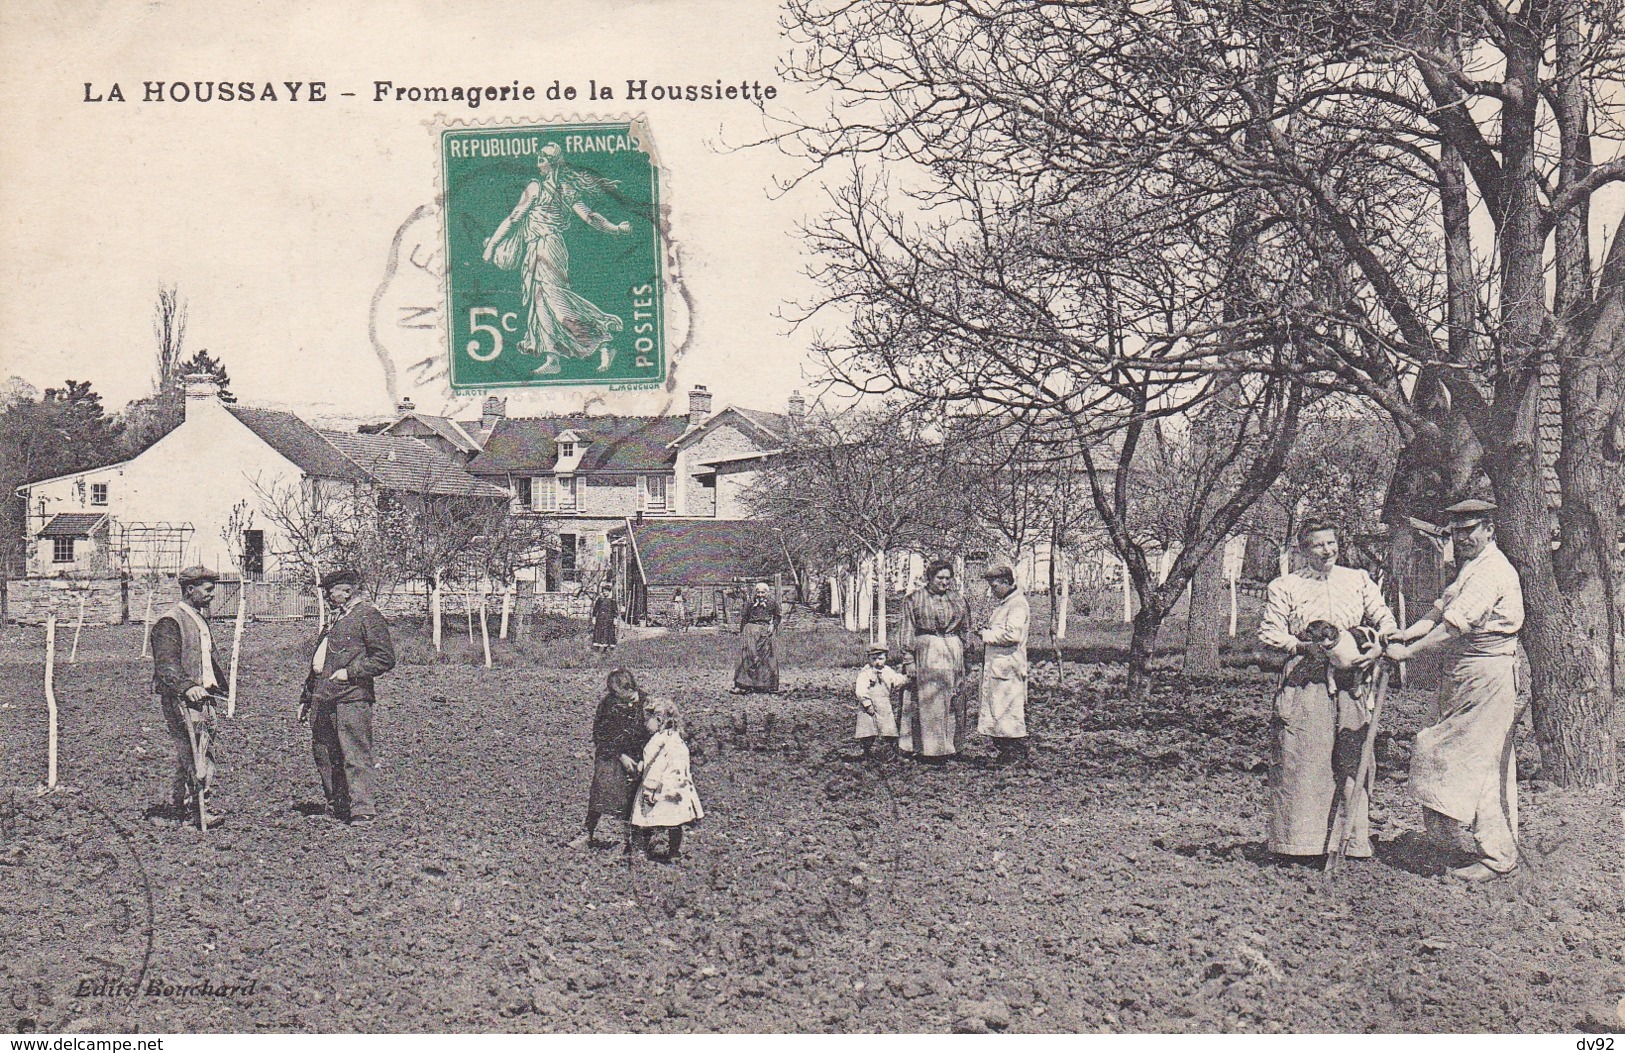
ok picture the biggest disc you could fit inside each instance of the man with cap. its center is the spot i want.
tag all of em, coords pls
(186, 673)
(338, 698)
(1004, 668)
(1462, 765)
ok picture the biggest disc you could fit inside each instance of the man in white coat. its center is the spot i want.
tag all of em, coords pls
(1004, 668)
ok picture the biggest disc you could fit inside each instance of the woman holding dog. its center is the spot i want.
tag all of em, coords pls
(1318, 724)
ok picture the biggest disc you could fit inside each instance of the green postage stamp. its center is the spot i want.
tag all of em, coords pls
(553, 261)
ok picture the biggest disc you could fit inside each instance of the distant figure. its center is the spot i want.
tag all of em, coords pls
(932, 632)
(604, 611)
(679, 611)
(877, 684)
(758, 668)
(1319, 724)
(338, 698)
(1003, 696)
(666, 798)
(186, 675)
(617, 729)
(1462, 765)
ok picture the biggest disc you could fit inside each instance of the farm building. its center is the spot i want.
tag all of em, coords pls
(712, 561)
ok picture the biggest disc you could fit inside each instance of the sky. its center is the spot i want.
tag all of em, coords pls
(276, 220)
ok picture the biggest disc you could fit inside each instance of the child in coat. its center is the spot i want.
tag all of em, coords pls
(617, 729)
(665, 797)
(877, 683)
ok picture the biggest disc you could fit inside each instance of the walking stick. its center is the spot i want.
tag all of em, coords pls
(1342, 830)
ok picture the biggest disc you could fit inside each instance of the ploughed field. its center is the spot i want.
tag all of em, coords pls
(1118, 883)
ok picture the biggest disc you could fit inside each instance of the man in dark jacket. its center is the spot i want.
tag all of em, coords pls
(338, 697)
(186, 674)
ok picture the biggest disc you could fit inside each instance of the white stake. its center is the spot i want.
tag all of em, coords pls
(468, 612)
(434, 610)
(1128, 613)
(73, 655)
(146, 623)
(50, 702)
(236, 649)
(485, 633)
(1232, 606)
(507, 608)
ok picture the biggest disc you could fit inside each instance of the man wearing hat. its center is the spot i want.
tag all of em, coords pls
(186, 673)
(1462, 765)
(338, 698)
(1004, 668)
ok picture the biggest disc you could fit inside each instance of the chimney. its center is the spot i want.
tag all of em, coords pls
(699, 404)
(404, 406)
(202, 390)
(495, 410)
(798, 406)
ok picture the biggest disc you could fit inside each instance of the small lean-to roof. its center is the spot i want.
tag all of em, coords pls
(405, 464)
(612, 444)
(300, 443)
(444, 427)
(703, 551)
(73, 524)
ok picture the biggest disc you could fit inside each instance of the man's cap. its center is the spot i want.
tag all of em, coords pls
(339, 577)
(1472, 510)
(196, 575)
(1000, 571)
(874, 649)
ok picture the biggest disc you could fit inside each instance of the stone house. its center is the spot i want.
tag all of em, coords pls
(591, 473)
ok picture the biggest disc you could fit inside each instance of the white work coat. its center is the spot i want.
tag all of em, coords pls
(1004, 669)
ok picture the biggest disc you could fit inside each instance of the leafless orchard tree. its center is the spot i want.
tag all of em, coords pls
(1385, 199)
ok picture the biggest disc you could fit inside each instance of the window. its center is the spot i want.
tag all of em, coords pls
(254, 553)
(569, 492)
(62, 549)
(544, 494)
(654, 489)
(522, 491)
(98, 493)
(567, 450)
(567, 556)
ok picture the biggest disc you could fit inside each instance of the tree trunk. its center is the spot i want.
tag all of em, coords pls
(1206, 616)
(880, 603)
(1141, 646)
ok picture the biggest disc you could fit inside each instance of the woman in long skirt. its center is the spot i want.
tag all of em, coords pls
(758, 667)
(603, 619)
(932, 631)
(1319, 725)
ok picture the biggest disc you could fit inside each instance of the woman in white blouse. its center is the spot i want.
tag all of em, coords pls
(1319, 727)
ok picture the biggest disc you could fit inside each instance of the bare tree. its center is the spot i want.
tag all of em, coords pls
(169, 330)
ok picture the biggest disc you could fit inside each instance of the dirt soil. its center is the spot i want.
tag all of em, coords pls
(1118, 883)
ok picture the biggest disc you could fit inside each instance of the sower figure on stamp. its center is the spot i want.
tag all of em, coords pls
(1004, 668)
(338, 698)
(1462, 766)
(186, 672)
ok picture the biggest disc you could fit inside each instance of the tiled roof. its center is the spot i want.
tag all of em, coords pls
(399, 462)
(704, 551)
(300, 443)
(774, 423)
(773, 426)
(614, 444)
(447, 429)
(73, 524)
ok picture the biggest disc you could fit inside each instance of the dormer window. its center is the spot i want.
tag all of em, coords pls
(567, 450)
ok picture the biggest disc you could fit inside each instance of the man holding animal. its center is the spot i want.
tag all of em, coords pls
(1462, 766)
(186, 674)
(338, 698)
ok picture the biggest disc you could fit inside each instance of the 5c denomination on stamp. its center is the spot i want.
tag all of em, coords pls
(553, 255)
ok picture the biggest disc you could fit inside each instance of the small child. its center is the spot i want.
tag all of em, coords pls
(666, 798)
(876, 684)
(617, 729)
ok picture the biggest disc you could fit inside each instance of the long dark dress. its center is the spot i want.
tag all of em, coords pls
(603, 621)
(617, 728)
(758, 668)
